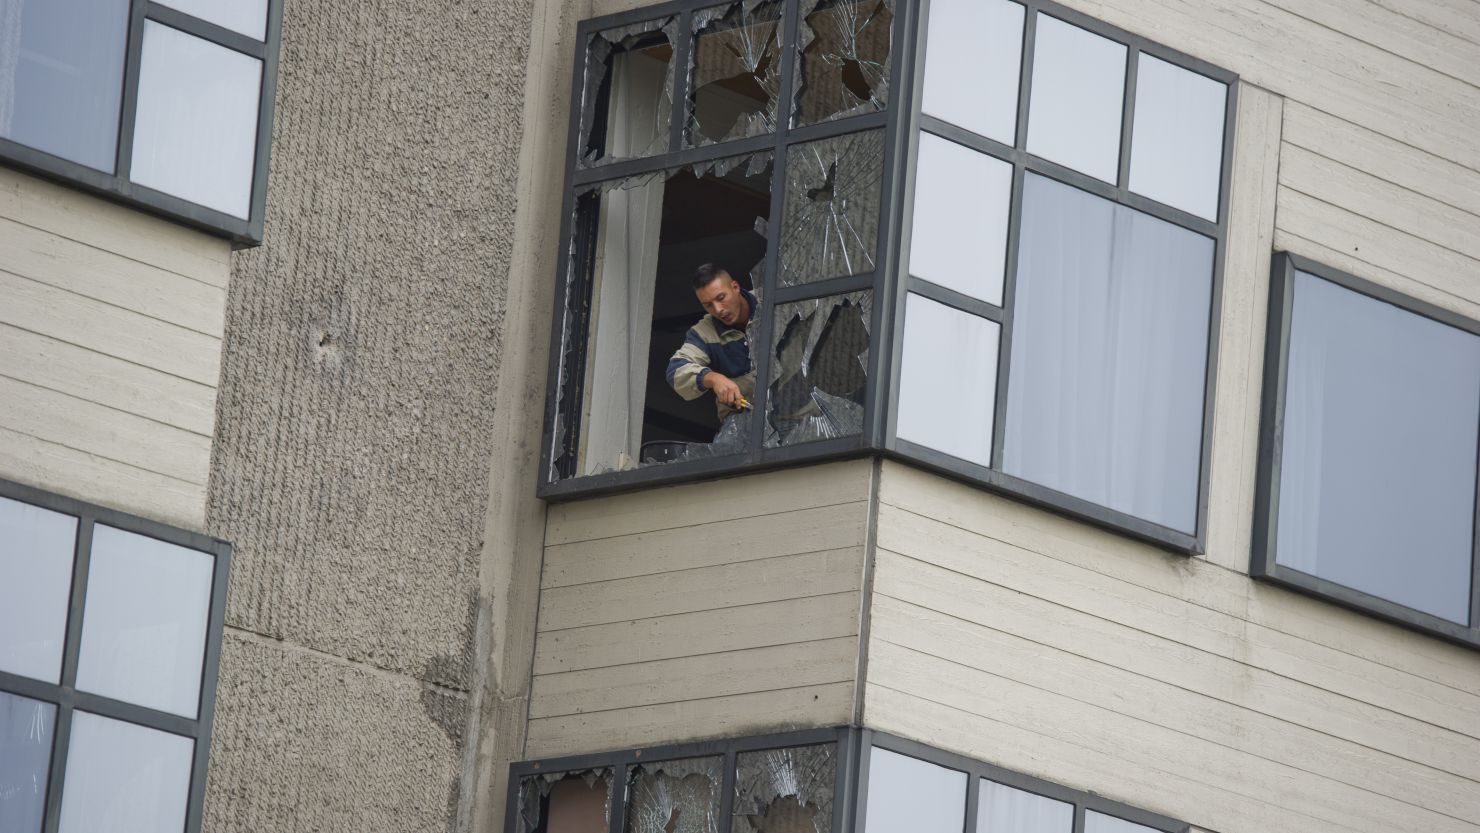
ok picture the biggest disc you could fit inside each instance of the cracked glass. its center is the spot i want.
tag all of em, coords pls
(843, 59)
(785, 790)
(675, 796)
(830, 222)
(819, 369)
(630, 304)
(736, 72)
(628, 96)
(566, 802)
(26, 730)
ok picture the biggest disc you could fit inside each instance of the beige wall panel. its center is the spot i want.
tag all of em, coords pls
(97, 479)
(107, 380)
(695, 634)
(1390, 30)
(113, 228)
(742, 714)
(1256, 158)
(131, 284)
(105, 328)
(702, 503)
(1457, 16)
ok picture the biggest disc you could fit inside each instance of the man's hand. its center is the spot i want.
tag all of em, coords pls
(724, 389)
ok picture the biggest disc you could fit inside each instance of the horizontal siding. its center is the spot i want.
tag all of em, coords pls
(738, 613)
(1266, 705)
(110, 347)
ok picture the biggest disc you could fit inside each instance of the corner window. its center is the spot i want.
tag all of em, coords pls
(110, 634)
(163, 105)
(1369, 448)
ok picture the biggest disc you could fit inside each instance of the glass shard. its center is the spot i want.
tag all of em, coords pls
(628, 96)
(830, 224)
(785, 790)
(565, 802)
(675, 796)
(819, 369)
(843, 59)
(26, 729)
(630, 305)
(737, 71)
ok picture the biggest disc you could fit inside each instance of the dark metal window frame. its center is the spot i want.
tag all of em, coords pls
(902, 122)
(850, 787)
(1263, 563)
(1023, 162)
(117, 185)
(67, 698)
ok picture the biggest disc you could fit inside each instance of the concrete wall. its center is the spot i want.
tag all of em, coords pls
(110, 348)
(356, 421)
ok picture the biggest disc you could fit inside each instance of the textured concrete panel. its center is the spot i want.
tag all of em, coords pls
(305, 742)
(362, 339)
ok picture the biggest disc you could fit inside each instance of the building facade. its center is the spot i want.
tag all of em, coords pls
(1160, 515)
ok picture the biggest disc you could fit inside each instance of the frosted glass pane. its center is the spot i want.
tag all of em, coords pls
(35, 585)
(246, 16)
(1078, 86)
(1101, 823)
(195, 135)
(1109, 355)
(61, 76)
(962, 199)
(121, 776)
(26, 730)
(1377, 473)
(948, 380)
(909, 794)
(1177, 137)
(973, 56)
(1003, 809)
(144, 625)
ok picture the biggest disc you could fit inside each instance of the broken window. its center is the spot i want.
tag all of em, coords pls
(737, 71)
(830, 225)
(627, 100)
(785, 790)
(675, 796)
(635, 247)
(566, 802)
(843, 60)
(819, 369)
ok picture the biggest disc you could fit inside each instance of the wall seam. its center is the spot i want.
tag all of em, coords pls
(866, 590)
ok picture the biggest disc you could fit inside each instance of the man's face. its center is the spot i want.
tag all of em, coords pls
(722, 299)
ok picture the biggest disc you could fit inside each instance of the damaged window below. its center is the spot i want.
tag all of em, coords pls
(819, 371)
(843, 63)
(737, 71)
(565, 802)
(627, 99)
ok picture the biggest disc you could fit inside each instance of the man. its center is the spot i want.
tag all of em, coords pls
(715, 355)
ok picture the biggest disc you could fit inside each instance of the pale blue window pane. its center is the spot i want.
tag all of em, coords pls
(36, 548)
(195, 134)
(906, 793)
(1003, 809)
(61, 76)
(144, 626)
(973, 57)
(948, 380)
(125, 777)
(248, 17)
(1101, 823)
(26, 730)
(1377, 471)
(1109, 355)
(1177, 141)
(959, 230)
(1075, 105)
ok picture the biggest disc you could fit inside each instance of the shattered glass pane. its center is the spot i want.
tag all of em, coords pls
(843, 59)
(819, 369)
(830, 223)
(785, 790)
(675, 796)
(630, 302)
(565, 802)
(737, 71)
(628, 95)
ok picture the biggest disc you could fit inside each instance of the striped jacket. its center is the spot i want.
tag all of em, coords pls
(711, 345)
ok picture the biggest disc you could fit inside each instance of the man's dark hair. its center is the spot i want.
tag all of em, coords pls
(706, 273)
